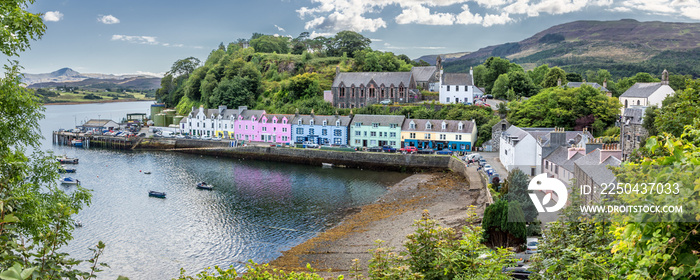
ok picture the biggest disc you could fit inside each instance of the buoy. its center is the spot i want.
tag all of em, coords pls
(139, 170)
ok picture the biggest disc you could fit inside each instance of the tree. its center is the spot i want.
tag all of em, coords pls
(673, 117)
(36, 216)
(649, 120)
(574, 77)
(184, 66)
(303, 86)
(504, 224)
(537, 74)
(270, 44)
(500, 86)
(347, 42)
(495, 67)
(517, 192)
(522, 84)
(553, 77)
(232, 93)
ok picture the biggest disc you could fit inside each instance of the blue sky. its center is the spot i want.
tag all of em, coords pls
(128, 36)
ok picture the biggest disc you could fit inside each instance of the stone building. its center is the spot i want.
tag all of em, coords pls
(632, 133)
(496, 132)
(360, 89)
(427, 77)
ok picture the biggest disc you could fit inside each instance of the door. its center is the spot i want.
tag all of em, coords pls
(364, 143)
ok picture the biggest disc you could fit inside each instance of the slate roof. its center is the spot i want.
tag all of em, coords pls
(578, 84)
(599, 172)
(560, 158)
(279, 117)
(642, 90)
(634, 115)
(318, 120)
(541, 134)
(452, 126)
(423, 73)
(460, 79)
(248, 114)
(364, 78)
(383, 120)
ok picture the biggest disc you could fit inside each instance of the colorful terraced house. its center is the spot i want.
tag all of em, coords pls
(322, 130)
(458, 136)
(376, 130)
(275, 129)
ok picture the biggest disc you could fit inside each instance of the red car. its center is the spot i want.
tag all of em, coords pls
(408, 149)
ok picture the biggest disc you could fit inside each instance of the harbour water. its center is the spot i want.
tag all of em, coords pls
(256, 210)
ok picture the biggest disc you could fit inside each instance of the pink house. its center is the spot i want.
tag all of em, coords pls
(275, 128)
(247, 125)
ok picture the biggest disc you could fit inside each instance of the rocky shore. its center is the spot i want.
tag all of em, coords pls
(445, 195)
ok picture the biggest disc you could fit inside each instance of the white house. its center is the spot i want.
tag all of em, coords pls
(525, 148)
(646, 94)
(210, 122)
(457, 87)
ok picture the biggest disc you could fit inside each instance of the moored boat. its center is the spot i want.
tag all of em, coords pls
(67, 160)
(76, 142)
(64, 169)
(156, 194)
(325, 164)
(204, 186)
(69, 181)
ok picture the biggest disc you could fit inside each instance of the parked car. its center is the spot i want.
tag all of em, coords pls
(309, 144)
(444, 152)
(386, 102)
(375, 149)
(388, 149)
(489, 96)
(216, 138)
(517, 272)
(487, 166)
(408, 149)
(206, 137)
(532, 245)
(425, 151)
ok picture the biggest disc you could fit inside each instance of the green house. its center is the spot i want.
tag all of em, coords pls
(376, 130)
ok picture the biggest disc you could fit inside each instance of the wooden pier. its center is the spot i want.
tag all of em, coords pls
(89, 140)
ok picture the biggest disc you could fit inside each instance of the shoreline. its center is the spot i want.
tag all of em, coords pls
(95, 102)
(445, 195)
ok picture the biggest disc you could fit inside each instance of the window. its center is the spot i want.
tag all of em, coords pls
(546, 164)
(392, 134)
(448, 100)
(197, 124)
(299, 122)
(428, 126)
(375, 125)
(444, 125)
(448, 88)
(311, 131)
(458, 137)
(325, 122)
(392, 143)
(341, 92)
(373, 142)
(300, 139)
(300, 130)
(284, 129)
(226, 126)
(357, 141)
(311, 122)
(461, 126)
(264, 129)
(324, 132)
(337, 132)
(284, 138)
(411, 135)
(358, 133)
(337, 123)
(337, 141)
(556, 169)
(246, 127)
(212, 125)
(427, 136)
(393, 125)
(253, 128)
(358, 124)
(373, 134)
(412, 125)
(365, 133)
(443, 137)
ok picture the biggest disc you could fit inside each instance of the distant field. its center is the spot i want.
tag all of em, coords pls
(79, 97)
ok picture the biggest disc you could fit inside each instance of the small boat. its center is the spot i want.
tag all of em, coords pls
(156, 194)
(67, 160)
(64, 169)
(325, 164)
(204, 186)
(147, 172)
(77, 223)
(69, 181)
(76, 142)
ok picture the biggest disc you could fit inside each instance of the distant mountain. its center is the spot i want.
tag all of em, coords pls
(71, 78)
(432, 57)
(622, 47)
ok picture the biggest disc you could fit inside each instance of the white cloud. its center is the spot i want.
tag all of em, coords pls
(315, 34)
(620, 9)
(431, 48)
(280, 28)
(687, 8)
(108, 19)
(422, 15)
(53, 16)
(692, 12)
(147, 40)
(490, 19)
(466, 17)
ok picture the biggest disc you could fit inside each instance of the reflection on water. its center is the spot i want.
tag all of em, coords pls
(256, 209)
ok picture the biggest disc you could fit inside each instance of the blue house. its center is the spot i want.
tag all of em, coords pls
(321, 130)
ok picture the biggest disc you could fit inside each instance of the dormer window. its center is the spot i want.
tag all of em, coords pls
(299, 122)
(311, 122)
(274, 120)
(325, 122)
(337, 123)
(444, 125)
(412, 125)
(428, 126)
(284, 121)
(461, 126)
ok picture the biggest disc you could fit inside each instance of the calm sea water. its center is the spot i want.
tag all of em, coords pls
(256, 210)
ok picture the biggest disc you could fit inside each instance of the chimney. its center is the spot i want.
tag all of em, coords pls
(610, 150)
(471, 74)
(222, 108)
(557, 137)
(593, 144)
(337, 70)
(576, 150)
(664, 77)
(312, 113)
(605, 84)
(296, 113)
(559, 82)
(351, 114)
(242, 108)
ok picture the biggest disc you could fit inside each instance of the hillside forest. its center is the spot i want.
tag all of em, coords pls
(286, 75)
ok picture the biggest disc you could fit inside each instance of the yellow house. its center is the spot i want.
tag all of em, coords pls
(458, 136)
